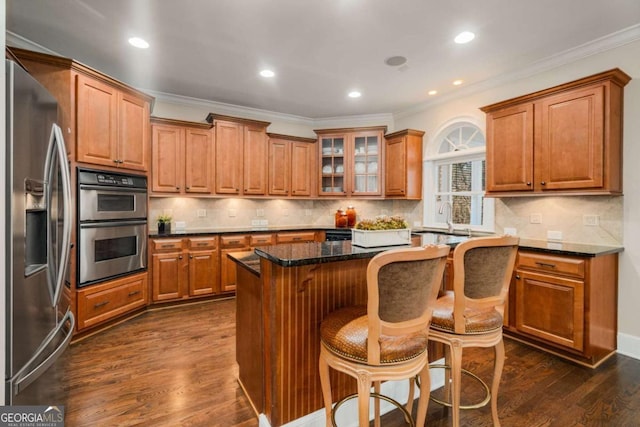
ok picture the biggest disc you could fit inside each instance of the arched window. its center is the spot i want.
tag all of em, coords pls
(455, 179)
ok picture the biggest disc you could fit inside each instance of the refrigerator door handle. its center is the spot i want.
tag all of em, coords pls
(24, 377)
(57, 149)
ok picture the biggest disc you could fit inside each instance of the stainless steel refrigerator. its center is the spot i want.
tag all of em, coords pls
(38, 230)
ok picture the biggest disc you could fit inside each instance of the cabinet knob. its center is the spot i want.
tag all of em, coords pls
(543, 183)
(177, 188)
(517, 276)
(187, 188)
(115, 161)
(190, 256)
(529, 183)
(179, 256)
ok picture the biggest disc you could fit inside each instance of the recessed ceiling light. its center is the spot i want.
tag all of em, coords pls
(138, 42)
(432, 92)
(395, 61)
(464, 37)
(267, 73)
(354, 94)
(457, 82)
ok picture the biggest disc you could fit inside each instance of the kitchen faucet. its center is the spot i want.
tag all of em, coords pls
(449, 216)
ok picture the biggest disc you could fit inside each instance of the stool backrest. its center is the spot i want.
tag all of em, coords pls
(402, 286)
(482, 271)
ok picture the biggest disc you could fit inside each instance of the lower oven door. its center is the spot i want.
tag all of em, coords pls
(111, 249)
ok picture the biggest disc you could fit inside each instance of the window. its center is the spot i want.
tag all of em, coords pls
(455, 180)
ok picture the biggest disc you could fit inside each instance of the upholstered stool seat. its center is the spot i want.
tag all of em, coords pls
(386, 340)
(345, 333)
(476, 321)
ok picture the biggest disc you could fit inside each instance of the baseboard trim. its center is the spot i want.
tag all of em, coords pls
(629, 345)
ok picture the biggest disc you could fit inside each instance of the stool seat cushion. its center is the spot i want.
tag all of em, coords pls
(344, 332)
(476, 321)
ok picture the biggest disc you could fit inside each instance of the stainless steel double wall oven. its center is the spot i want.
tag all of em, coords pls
(112, 226)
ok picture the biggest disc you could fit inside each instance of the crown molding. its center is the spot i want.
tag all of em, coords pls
(594, 47)
(16, 40)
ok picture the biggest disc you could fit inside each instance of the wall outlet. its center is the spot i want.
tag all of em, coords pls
(263, 222)
(511, 231)
(232, 213)
(554, 235)
(202, 213)
(591, 220)
(255, 222)
(259, 212)
(181, 225)
(535, 218)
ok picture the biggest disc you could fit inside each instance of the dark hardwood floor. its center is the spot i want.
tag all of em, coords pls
(176, 367)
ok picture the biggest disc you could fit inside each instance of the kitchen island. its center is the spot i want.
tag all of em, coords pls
(283, 294)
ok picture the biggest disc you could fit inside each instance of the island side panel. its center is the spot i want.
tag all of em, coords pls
(249, 337)
(296, 301)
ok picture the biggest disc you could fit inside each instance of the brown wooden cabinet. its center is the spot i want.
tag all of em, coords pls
(297, 237)
(230, 243)
(184, 268)
(562, 140)
(351, 161)
(182, 157)
(292, 166)
(566, 304)
(240, 155)
(403, 164)
(104, 121)
(98, 304)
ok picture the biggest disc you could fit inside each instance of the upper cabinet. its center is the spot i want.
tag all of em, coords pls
(182, 157)
(351, 161)
(241, 155)
(104, 121)
(562, 140)
(292, 165)
(403, 164)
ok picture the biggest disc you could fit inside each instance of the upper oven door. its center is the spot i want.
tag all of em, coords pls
(98, 203)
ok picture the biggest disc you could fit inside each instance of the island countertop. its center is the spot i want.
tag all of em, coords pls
(299, 254)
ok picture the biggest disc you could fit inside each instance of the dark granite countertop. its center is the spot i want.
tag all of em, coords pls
(233, 230)
(248, 259)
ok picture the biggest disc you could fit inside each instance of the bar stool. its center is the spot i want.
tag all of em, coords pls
(387, 339)
(472, 315)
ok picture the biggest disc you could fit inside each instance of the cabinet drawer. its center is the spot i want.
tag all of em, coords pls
(103, 302)
(166, 244)
(306, 236)
(552, 264)
(261, 239)
(203, 242)
(234, 241)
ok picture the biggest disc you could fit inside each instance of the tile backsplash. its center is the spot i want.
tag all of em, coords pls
(569, 215)
(236, 212)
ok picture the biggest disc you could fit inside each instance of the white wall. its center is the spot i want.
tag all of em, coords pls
(620, 216)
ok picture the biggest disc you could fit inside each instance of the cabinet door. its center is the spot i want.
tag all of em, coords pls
(333, 165)
(168, 275)
(366, 166)
(570, 146)
(133, 133)
(166, 147)
(228, 159)
(303, 168)
(255, 160)
(510, 149)
(279, 167)
(198, 161)
(203, 272)
(550, 308)
(396, 167)
(97, 122)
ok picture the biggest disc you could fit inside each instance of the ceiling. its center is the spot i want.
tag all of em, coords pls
(319, 50)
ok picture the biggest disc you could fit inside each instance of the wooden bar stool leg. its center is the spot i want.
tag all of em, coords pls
(456, 375)
(412, 385)
(425, 391)
(325, 383)
(497, 374)
(364, 392)
(376, 405)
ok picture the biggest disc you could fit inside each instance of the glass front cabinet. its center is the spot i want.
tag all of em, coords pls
(352, 161)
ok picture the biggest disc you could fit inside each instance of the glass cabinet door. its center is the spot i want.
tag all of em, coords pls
(366, 163)
(333, 150)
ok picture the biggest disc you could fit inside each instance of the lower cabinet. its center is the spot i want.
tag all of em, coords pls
(106, 301)
(231, 243)
(184, 268)
(566, 304)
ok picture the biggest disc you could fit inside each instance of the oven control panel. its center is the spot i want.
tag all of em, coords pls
(114, 180)
(110, 179)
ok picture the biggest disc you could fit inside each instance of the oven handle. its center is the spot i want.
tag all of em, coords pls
(104, 224)
(109, 188)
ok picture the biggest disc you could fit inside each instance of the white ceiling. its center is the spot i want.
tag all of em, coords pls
(319, 49)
